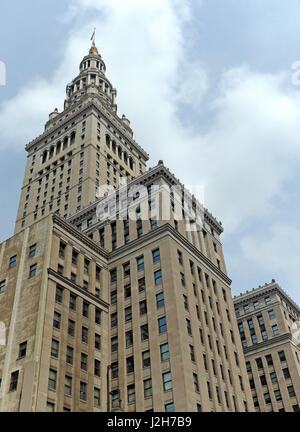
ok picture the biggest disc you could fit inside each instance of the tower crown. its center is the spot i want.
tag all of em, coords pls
(91, 80)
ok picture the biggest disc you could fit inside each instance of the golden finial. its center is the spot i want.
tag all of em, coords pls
(94, 49)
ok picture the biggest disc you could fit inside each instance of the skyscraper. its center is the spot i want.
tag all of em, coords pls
(268, 322)
(114, 298)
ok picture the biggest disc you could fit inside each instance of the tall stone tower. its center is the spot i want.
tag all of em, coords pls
(85, 146)
(105, 311)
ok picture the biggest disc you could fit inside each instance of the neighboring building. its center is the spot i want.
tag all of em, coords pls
(172, 341)
(54, 304)
(267, 319)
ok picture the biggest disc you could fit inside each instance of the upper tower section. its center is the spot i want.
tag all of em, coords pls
(91, 80)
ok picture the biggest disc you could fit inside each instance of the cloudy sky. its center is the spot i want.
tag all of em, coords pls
(208, 87)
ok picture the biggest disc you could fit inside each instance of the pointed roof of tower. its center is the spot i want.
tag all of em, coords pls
(94, 49)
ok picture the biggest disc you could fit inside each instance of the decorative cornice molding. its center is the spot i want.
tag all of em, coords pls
(266, 344)
(78, 288)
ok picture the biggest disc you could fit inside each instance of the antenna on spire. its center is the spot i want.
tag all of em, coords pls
(93, 36)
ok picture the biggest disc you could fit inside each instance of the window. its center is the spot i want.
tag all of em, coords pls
(86, 266)
(114, 344)
(70, 355)
(113, 297)
(167, 381)
(2, 286)
(237, 312)
(54, 348)
(97, 399)
(160, 301)
(59, 294)
(170, 407)
(196, 384)
(164, 352)
(192, 353)
(281, 356)
(83, 388)
(273, 377)
(97, 342)
(22, 350)
(275, 329)
(74, 257)
(13, 261)
(50, 407)
(127, 291)
(147, 388)
(72, 303)
(52, 379)
(277, 394)
(182, 279)
(68, 385)
(140, 263)
(84, 335)
(267, 300)
(14, 381)
(146, 359)
(188, 327)
(97, 368)
(271, 314)
(98, 316)
(114, 370)
(291, 392)
(263, 380)
(130, 365)
(62, 248)
(71, 328)
(156, 255)
(267, 398)
(246, 308)
(56, 320)
(84, 362)
(286, 373)
(179, 254)
(144, 332)
(185, 302)
(162, 325)
(158, 277)
(126, 269)
(143, 307)
(259, 363)
(115, 399)
(32, 270)
(141, 283)
(129, 338)
(256, 304)
(269, 360)
(131, 393)
(128, 314)
(32, 251)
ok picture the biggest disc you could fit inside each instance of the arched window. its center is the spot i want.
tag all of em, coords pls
(51, 153)
(44, 156)
(120, 152)
(73, 135)
(58, 147)
(66, 143)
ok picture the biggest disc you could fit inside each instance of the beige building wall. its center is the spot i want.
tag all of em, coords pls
(267, 320)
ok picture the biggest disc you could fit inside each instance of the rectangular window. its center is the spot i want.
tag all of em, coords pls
(72, 303)
(140, 263)
(127, 291)
(2, 286)
(158, 277)
(32, 270)
(143, 307)
(291, 392)
(275, 330)
(54, 348)
(130, 365)
(113, 297)
(71, 328)
(162, 325)
(97, 342)
(271, 314)
(144, 332)
(97, 398)
(52, 379)
(147, 388)
(85, 309)
(128, 314)
(13, 261)
(164, 352)
(22, 350)
(188, 327)
(114, 370)
(160, 300)
(156, 256)
(129, 338)
(167, 381)
(70, 355)
(281, 356)
(32, 251)
(84, 362)
(142, 285)
(98, 316)
(126, 269)
(146, 359)
(56, 320)
(84, 335)
(192, 353)
(114, 344)
(83, 391)
(68, 385)
(131, 393)
(14, 381)
(97, 368)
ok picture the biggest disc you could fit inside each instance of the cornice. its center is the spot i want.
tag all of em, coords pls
(78, 288)
(266, 344)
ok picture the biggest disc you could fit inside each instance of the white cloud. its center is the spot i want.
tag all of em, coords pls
(277, 252)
